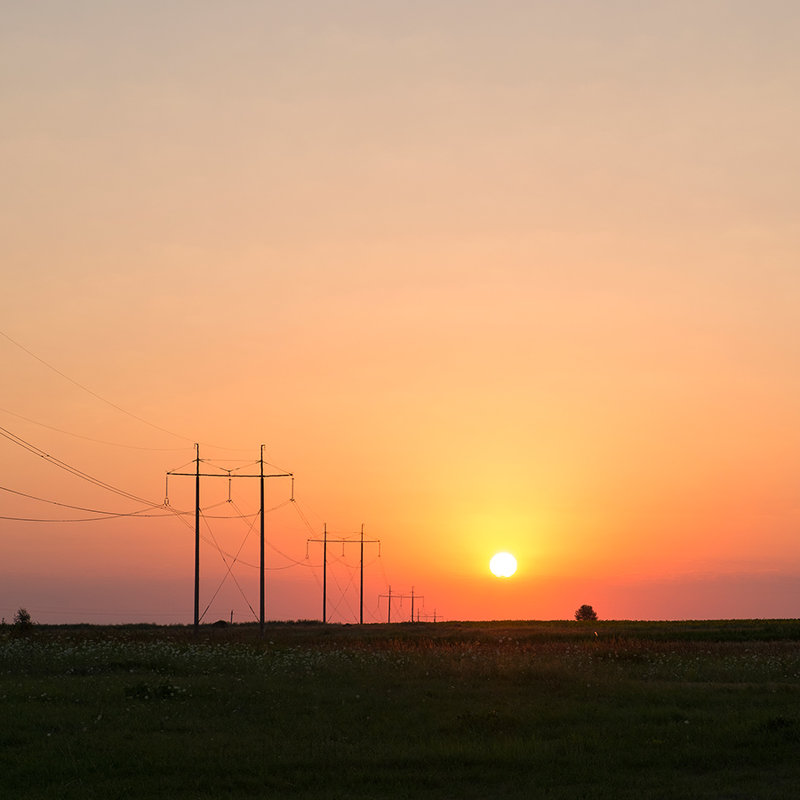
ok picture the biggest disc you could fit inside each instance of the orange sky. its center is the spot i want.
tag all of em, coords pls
(513, 276)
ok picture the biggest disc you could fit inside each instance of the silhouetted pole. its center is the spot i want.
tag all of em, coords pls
(389, 614)
(197, 543)
(361, 582)
(261, 609)
(324, 541)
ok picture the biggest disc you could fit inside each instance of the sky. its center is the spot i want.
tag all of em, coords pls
(514, 276)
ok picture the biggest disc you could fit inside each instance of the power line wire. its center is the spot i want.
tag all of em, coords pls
(69, 505)
(57, 462)
(89, 438)
(229, 571)
(106, 401)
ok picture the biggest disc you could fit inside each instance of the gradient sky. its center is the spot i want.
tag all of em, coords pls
(484, 276)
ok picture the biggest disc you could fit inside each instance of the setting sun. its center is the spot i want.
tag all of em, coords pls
(503, 565)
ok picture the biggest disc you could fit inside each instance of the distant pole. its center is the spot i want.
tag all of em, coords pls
(261, 475)
(324, 572)
(361, 597)
(343, 541)
(197, 543)
(401, 597)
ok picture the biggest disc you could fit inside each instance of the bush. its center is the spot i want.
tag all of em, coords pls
(586, 614)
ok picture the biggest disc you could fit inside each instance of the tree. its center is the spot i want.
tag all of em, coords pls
(22, 620)
(585, 614)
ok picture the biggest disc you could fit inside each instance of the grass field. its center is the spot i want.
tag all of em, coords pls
(447, 710)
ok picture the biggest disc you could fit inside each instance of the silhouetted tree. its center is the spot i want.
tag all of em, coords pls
(585, 614)
(22, 621)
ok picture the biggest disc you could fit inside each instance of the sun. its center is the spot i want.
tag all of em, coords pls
(503, 565)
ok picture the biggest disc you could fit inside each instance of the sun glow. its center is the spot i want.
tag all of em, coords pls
(503, 565)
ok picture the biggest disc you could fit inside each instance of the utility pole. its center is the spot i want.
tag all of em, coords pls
(226, 473)
(400, 597)
(361, 581)
(380, 596)
(261, 588)
(197, 542)
(362, 541)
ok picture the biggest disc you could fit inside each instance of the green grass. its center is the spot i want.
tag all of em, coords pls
(462, 710)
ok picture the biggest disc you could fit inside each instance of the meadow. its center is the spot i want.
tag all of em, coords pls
(444, 710)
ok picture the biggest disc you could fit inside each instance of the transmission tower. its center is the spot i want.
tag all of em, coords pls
(325, 541)
(399, 597)
(229, 475)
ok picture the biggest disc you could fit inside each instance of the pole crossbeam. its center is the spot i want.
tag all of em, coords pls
(325, 540)
(230, 474)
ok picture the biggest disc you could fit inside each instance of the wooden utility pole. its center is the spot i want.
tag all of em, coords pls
(261, 562)
(361, 581)
(197, 542)
(389, 614)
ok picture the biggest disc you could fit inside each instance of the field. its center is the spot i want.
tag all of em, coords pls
(446, 710)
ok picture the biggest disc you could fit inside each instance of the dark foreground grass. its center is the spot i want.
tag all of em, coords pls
(482, 710)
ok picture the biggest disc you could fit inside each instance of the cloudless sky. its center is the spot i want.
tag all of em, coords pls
(484, 276)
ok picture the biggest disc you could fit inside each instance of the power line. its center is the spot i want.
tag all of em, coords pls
(229, 571)
(103, 399)
(71, 519)
(89, 438)
(89, 391)
(57, 462)
(95, 613)
(69, 505)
